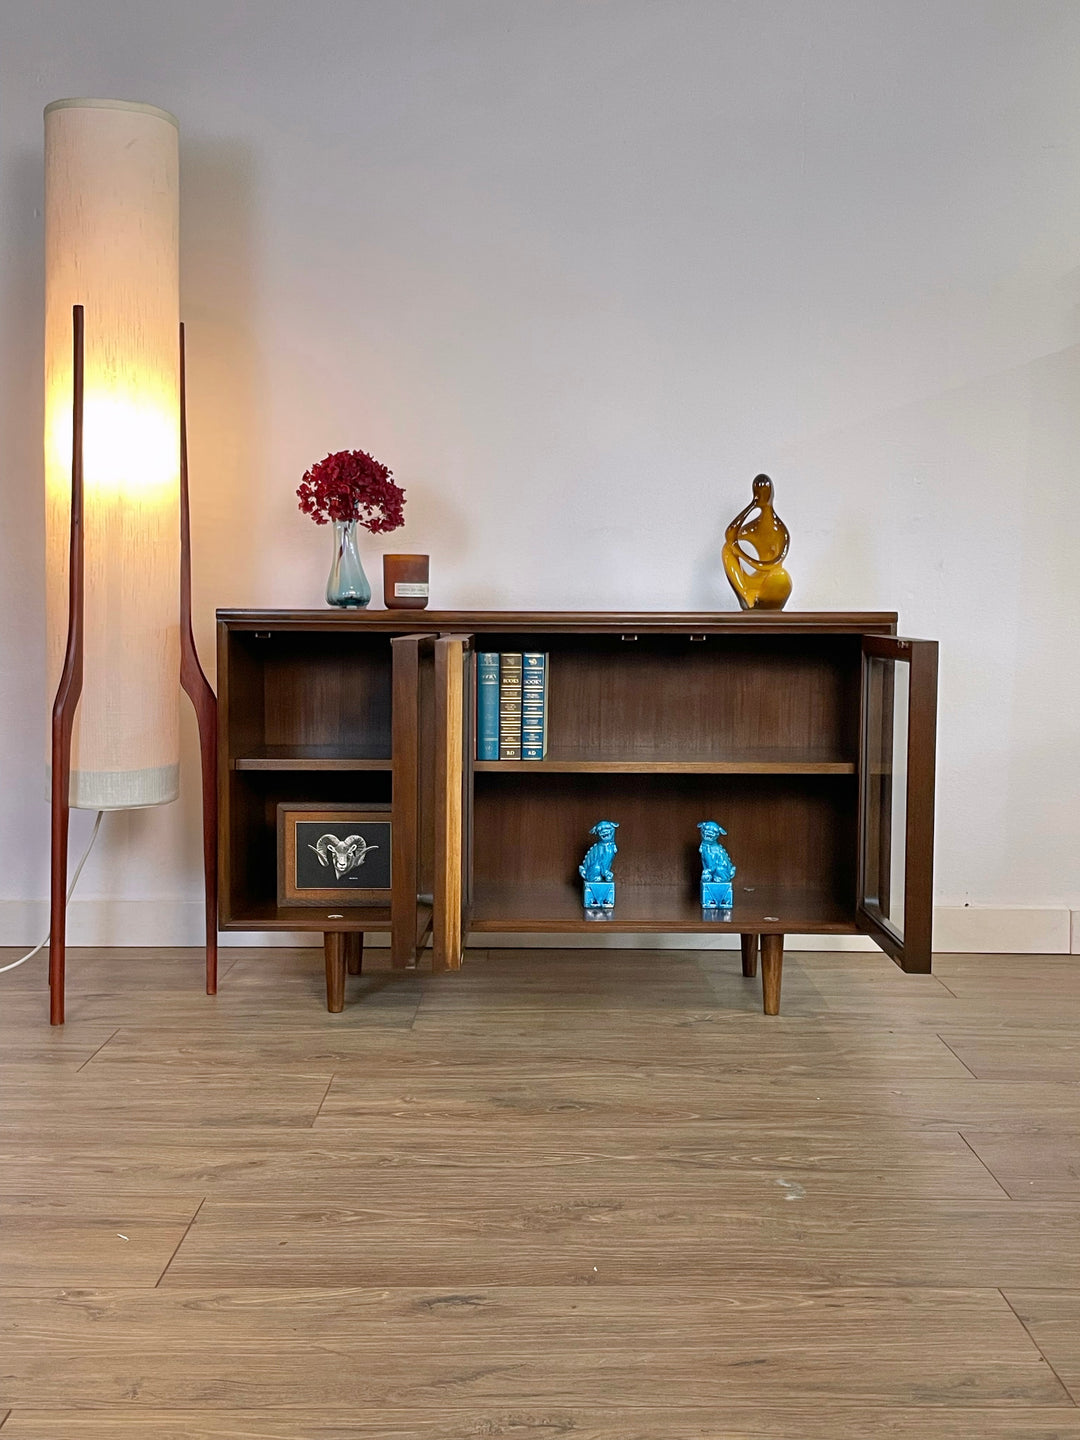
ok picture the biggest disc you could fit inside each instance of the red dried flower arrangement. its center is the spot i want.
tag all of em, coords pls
(353, 485)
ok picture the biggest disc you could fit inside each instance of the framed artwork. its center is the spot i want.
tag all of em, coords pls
(333, 854)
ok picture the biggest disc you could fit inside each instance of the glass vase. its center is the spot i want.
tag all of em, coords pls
(348, 585)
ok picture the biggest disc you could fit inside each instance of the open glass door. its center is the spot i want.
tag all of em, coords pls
(896, 799)
(413, 840)
(455, 739)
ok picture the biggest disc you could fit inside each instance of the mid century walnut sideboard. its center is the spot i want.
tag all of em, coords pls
(809, 737)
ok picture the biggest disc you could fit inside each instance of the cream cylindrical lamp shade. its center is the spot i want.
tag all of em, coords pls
(112, 246)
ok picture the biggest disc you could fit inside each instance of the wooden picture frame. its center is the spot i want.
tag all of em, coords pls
(302, 863)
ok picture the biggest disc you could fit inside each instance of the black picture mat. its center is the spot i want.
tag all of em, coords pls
(373, 874)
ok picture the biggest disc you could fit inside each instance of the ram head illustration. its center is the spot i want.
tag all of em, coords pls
(342, 855)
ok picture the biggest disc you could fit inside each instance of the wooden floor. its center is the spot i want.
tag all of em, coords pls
(562, 1194)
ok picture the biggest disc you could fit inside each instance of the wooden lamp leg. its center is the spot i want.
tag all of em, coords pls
(749, 945)
(354, 952)
(772, 964)
(67, 695)
(61, 780)
(203, 700)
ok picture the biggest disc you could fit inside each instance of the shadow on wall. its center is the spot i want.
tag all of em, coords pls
(845, 563)
(1045, 581)
(22, 533)
(709, 587)
(219, 295)
(218, 302)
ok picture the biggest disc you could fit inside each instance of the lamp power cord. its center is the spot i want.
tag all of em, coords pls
(14, 964)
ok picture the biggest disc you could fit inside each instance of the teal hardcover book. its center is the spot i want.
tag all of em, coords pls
(487, 705)
(534, 687)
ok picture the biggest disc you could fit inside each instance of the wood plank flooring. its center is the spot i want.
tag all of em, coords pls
(563, 1193)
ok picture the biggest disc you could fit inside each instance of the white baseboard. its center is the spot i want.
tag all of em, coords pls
(118, 923)
(958, 929)
(1002, 929)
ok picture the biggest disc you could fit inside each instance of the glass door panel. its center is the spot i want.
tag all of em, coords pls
(885, 790)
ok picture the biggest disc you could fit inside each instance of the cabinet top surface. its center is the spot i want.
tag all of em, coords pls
(601, 621)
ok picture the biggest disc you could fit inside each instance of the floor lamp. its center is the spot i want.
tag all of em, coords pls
(117, 521)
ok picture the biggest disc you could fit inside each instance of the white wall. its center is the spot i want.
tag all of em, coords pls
(578, 270)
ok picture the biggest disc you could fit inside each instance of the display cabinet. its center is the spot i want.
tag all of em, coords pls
(809, 737)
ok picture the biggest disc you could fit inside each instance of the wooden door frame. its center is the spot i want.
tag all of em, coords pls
(454, 710)
(912, 950)
(410, 916)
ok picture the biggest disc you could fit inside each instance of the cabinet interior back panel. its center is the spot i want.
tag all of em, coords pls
(796, 831)
(254, 799)
(670, 696)
(327, 690)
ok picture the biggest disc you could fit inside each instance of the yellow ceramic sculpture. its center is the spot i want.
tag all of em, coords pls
(759, 580)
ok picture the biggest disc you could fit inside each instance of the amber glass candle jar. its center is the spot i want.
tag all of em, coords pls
(405, 581)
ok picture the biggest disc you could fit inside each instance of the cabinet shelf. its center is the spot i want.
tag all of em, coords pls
(659, 909)
(309, 757)
(765, 762)
(266, 915)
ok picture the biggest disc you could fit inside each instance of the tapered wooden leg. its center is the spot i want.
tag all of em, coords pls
(772, 964)
(334, 948)
(204, 702)
(207, 717)
(67, 692)
(354, 952)
(58, 889)
(749, 955)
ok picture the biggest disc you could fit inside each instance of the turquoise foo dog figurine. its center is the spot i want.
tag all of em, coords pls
(596, 870)
(717, 868)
